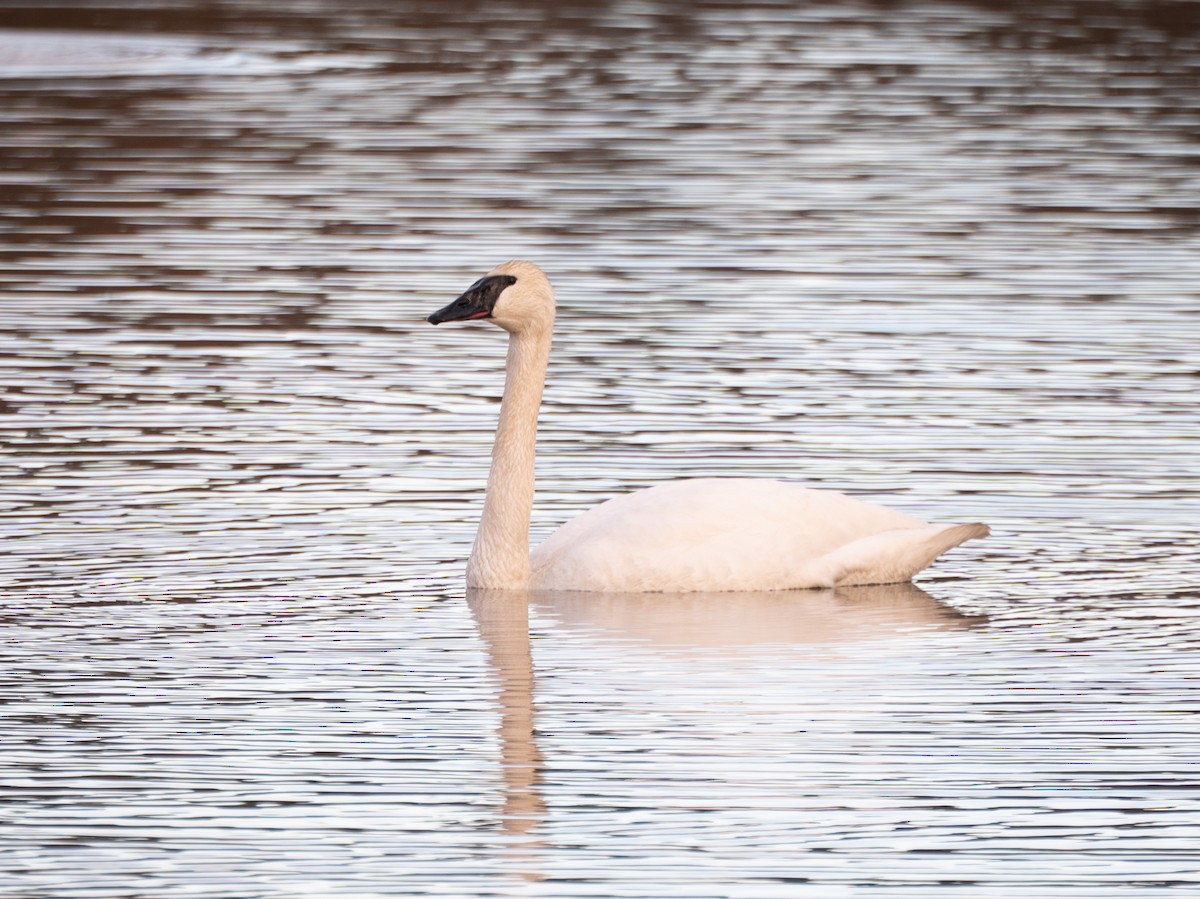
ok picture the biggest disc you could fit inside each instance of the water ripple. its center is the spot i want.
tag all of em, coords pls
(943, 256)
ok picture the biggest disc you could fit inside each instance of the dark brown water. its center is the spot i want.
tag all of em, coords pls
(942, 255)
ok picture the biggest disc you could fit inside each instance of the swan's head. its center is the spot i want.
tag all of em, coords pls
(516, 296)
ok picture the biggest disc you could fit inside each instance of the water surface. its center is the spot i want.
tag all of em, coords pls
(938, 255)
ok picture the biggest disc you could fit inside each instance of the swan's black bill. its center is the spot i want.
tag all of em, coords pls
(478, 301)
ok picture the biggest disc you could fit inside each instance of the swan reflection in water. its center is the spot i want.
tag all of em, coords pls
(736, 622)
(714, 624)
(502, 617)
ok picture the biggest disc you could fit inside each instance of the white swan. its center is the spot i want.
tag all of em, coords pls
(714, 534)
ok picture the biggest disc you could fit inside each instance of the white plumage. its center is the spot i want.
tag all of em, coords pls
(738, 534)
(702, 534)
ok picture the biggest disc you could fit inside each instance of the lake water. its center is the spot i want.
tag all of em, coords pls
(941, 255)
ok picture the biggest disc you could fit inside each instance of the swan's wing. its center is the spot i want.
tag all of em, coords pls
(894, 556)
(714, 534)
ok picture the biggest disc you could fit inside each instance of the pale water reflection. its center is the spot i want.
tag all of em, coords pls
(711, 621)
(725, 630)
(503, 621)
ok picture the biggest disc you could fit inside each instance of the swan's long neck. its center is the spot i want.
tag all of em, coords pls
(500, 558)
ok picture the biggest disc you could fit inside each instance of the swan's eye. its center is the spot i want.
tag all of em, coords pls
(484, 292)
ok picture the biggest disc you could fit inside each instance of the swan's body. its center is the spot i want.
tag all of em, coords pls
(703, 534)
(737, 534)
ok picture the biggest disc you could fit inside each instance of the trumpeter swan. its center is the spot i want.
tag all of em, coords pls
(714, 534)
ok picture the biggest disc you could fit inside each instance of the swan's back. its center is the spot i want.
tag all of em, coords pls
(737, 534)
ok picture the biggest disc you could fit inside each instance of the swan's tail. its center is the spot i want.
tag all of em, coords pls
(895, 556)
(960, 533)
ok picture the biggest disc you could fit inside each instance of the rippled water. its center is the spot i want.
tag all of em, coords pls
(942, 255)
